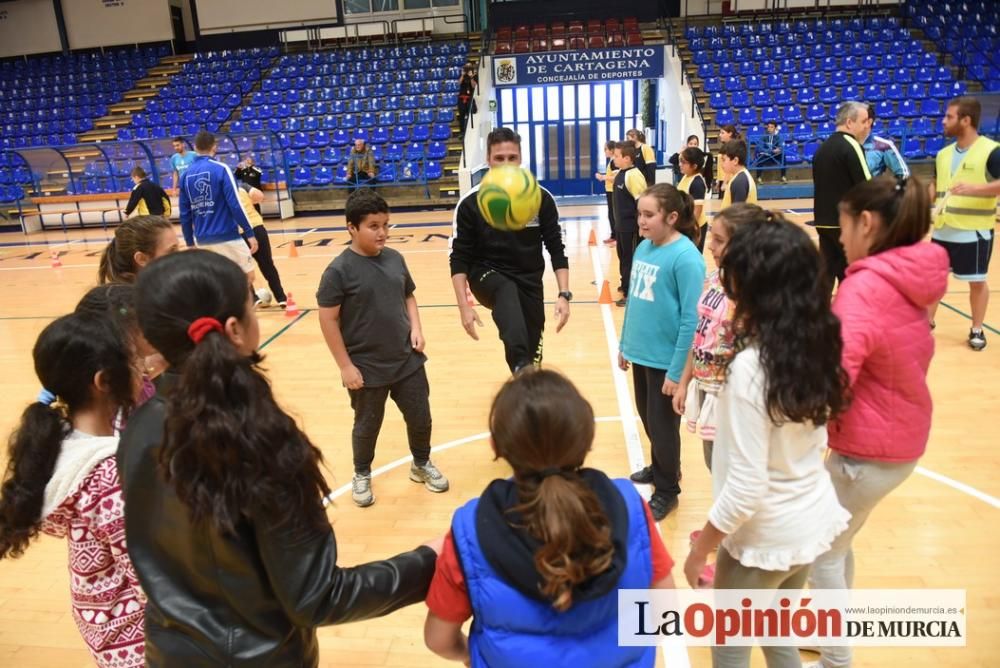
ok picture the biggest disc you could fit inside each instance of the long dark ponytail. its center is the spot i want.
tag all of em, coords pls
(544, 428)
(671, 200)
(68, 354)
(229, 451)
(774, 274)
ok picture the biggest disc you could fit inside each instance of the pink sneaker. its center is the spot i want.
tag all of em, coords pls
(707, 577)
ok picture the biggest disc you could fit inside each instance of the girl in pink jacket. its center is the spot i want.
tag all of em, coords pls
(892, 277)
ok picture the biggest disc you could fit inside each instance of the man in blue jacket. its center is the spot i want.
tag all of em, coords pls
(211, 214)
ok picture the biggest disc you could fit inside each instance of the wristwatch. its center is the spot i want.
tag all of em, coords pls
(567, 295)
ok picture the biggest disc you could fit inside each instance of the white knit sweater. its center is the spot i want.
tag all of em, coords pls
(773, 496)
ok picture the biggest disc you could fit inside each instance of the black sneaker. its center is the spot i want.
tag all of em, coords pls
(977, 339)
(643, 476)
(661, 505)
(621, 302)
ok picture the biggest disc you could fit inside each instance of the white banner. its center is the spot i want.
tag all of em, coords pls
(859, 617)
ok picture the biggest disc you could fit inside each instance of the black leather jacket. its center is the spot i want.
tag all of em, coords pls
(253, 599)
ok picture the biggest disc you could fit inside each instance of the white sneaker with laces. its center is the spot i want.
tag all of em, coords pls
(429, 475)
(361, 490)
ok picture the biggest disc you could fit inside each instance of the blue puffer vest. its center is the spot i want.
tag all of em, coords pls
(511, 629)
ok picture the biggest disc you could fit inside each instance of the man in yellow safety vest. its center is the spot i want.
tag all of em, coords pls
(965, 212)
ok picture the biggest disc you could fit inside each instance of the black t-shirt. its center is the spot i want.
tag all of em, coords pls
(372, 293)
(697, 189)
(739, 188)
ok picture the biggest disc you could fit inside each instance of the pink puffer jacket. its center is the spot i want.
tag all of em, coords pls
(882, 306)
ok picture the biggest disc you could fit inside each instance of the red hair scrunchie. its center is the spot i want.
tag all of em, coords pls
(202, 326)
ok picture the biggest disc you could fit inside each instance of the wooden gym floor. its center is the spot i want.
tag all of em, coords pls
(939, 530)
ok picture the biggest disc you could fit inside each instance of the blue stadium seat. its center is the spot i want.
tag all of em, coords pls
(724, 117)
(809, 150)
(933, 145)
(816, 112)
(433, 170)
(912, 149)
(437, 150)
(301, 177)
(341, 137)
(310, 157)
(931, 107)
(322, 176)
(802, 132)
(394, 151)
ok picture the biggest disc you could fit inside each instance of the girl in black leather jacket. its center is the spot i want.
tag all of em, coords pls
(223, 512)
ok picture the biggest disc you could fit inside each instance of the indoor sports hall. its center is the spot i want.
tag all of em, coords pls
(295, 86)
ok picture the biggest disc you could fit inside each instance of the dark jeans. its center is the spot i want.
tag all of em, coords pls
(266, 263)
(411, 395)
(833, 253)
(662, 426)
(518, 311)
(627, 237)
(611, 214)
(360, 180)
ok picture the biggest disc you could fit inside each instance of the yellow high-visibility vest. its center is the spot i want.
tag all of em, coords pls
(965, 212)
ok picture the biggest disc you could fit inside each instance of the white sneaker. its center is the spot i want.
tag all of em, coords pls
(429, 475)
(361, 490)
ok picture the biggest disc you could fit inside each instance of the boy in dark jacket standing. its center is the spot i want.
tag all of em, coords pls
(504, 269)
(211, 214)
(147, 197)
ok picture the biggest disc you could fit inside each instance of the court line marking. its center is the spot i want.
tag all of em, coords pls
(968, 316)
(960, 486)
(284, 329)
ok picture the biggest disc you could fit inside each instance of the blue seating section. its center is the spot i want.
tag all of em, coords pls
(797, 73)
(969, 31)
(400, 99)
(202, 95)
(50, 99)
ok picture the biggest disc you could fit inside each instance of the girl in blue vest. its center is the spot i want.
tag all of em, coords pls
(538, 559)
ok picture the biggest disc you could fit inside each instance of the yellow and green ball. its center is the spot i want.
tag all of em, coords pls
(509, 198)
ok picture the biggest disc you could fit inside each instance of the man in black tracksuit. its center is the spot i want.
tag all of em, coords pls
(839, 165)
(504, 269)
(251, 174)
(149, 198)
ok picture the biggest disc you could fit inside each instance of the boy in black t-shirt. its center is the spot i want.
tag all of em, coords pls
(371, 324)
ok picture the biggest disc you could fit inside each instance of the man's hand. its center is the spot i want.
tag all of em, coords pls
(561, 313)
(469, 321)
(417, 340)
(351, 377)
(669, 387)
(963, 189)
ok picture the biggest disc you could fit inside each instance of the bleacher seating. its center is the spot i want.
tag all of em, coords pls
(969, 31)
(400, 99)
(796, 73)
(49, 100)
(559, 36)
(202, 95)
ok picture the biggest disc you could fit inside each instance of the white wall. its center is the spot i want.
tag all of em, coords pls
(675, 107)
(94, 23)
(215, 16)
(28, 26)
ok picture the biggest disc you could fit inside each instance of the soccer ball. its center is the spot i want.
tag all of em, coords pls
(264, 296)
(509, 198)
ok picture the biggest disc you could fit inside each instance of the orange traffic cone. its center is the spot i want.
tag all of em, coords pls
(56, 262)
(592, 241)
(468, 296)
(291, 308)
(605, 297)
(293, 249)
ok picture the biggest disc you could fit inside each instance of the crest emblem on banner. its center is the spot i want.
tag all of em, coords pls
(505, 71)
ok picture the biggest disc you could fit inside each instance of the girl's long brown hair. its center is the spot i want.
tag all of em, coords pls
(544, 428)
